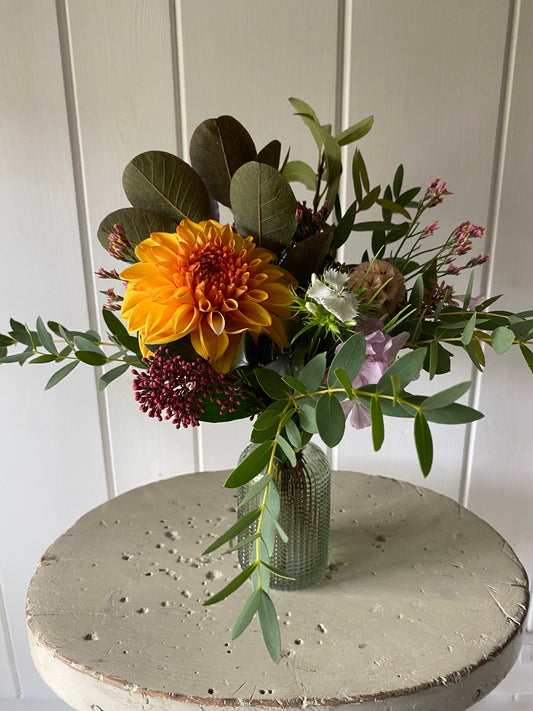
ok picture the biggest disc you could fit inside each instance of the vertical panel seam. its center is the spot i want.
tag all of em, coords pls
(175, 22)
(69, 83)
(4, 623)
(495, 196)
(178, 76)
(342, 111)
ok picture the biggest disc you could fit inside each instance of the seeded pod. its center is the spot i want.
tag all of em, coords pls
(382, 278)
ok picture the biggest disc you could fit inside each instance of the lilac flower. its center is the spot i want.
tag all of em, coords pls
(381, 351)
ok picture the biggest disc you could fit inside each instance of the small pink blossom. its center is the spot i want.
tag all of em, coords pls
(429, 231)
(435, 192)
(107, 273)
(114, 301)
(477, 260)
(381, 351)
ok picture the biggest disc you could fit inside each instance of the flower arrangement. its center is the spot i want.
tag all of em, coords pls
(258, 319)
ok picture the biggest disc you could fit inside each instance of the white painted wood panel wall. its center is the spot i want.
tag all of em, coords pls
(87, 84)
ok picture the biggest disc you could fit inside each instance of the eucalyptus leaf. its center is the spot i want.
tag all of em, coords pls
(91, 357)
(307, 415)
(406, 368)
(269, 626)
(247, 613)
(423, 442)
(255, 489)
(378, 428)
(295, 384)
(345, 226)
(294, 435)
(502, 339)
(287, 449)
(469, 330)
(240, 525)
(251, 466)
(263, 205)
(60, 374)
(233, 585)
(308, 256)
(445, 397)
(355, 132)
(296, 171)
(345, 382)
(138, 224)
(528, 356)
(310, 119)
(270, 154)
(84, 344)
(6, 340)
(350, 357)
(219, 147)
(330, 419)
(44, 336)
(46, 358)
(165, 184)
(111, 375)
(272, 383)
(313, 372)
(397, 181)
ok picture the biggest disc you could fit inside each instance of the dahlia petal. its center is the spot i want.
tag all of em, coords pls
(276, 332)
(258, 295)
(251, 315)
(223, 364)
(207, 344)
(217, 322)
(184, 319)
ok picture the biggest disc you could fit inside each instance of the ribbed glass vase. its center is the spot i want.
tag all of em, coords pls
(305, 494)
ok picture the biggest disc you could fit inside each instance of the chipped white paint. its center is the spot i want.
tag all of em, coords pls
(422, 607)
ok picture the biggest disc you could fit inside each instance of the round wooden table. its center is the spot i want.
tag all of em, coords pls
(422, 606)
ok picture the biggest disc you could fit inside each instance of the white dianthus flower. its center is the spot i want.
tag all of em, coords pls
(332, 294)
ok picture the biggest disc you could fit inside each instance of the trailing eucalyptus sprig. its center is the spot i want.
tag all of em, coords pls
(306, 404)
(53, 343)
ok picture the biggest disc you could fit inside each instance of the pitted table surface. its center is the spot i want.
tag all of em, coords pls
(422, 606)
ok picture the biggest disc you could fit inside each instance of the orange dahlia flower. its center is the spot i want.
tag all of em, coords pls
(207, 282)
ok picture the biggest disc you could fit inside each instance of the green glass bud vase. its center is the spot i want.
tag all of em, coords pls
(304, 515)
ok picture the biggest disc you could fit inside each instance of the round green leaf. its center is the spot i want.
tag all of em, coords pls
(264, 205)
(164, 183)
(137, 223)
(219, 146)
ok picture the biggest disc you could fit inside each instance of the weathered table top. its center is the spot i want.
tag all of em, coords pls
(422, 607)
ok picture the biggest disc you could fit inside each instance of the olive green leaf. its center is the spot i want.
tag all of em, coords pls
(270, 154)
(330, 419)
(247, 613)
(164, 183)
(355, 132)
(308, 256)
(423, 442)
(263, 205)
(254, 464)
(138, 224)
(502, 339)
(60, 374)
(269, 626)
(219, 146)
(237, 581)
(296, 171)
